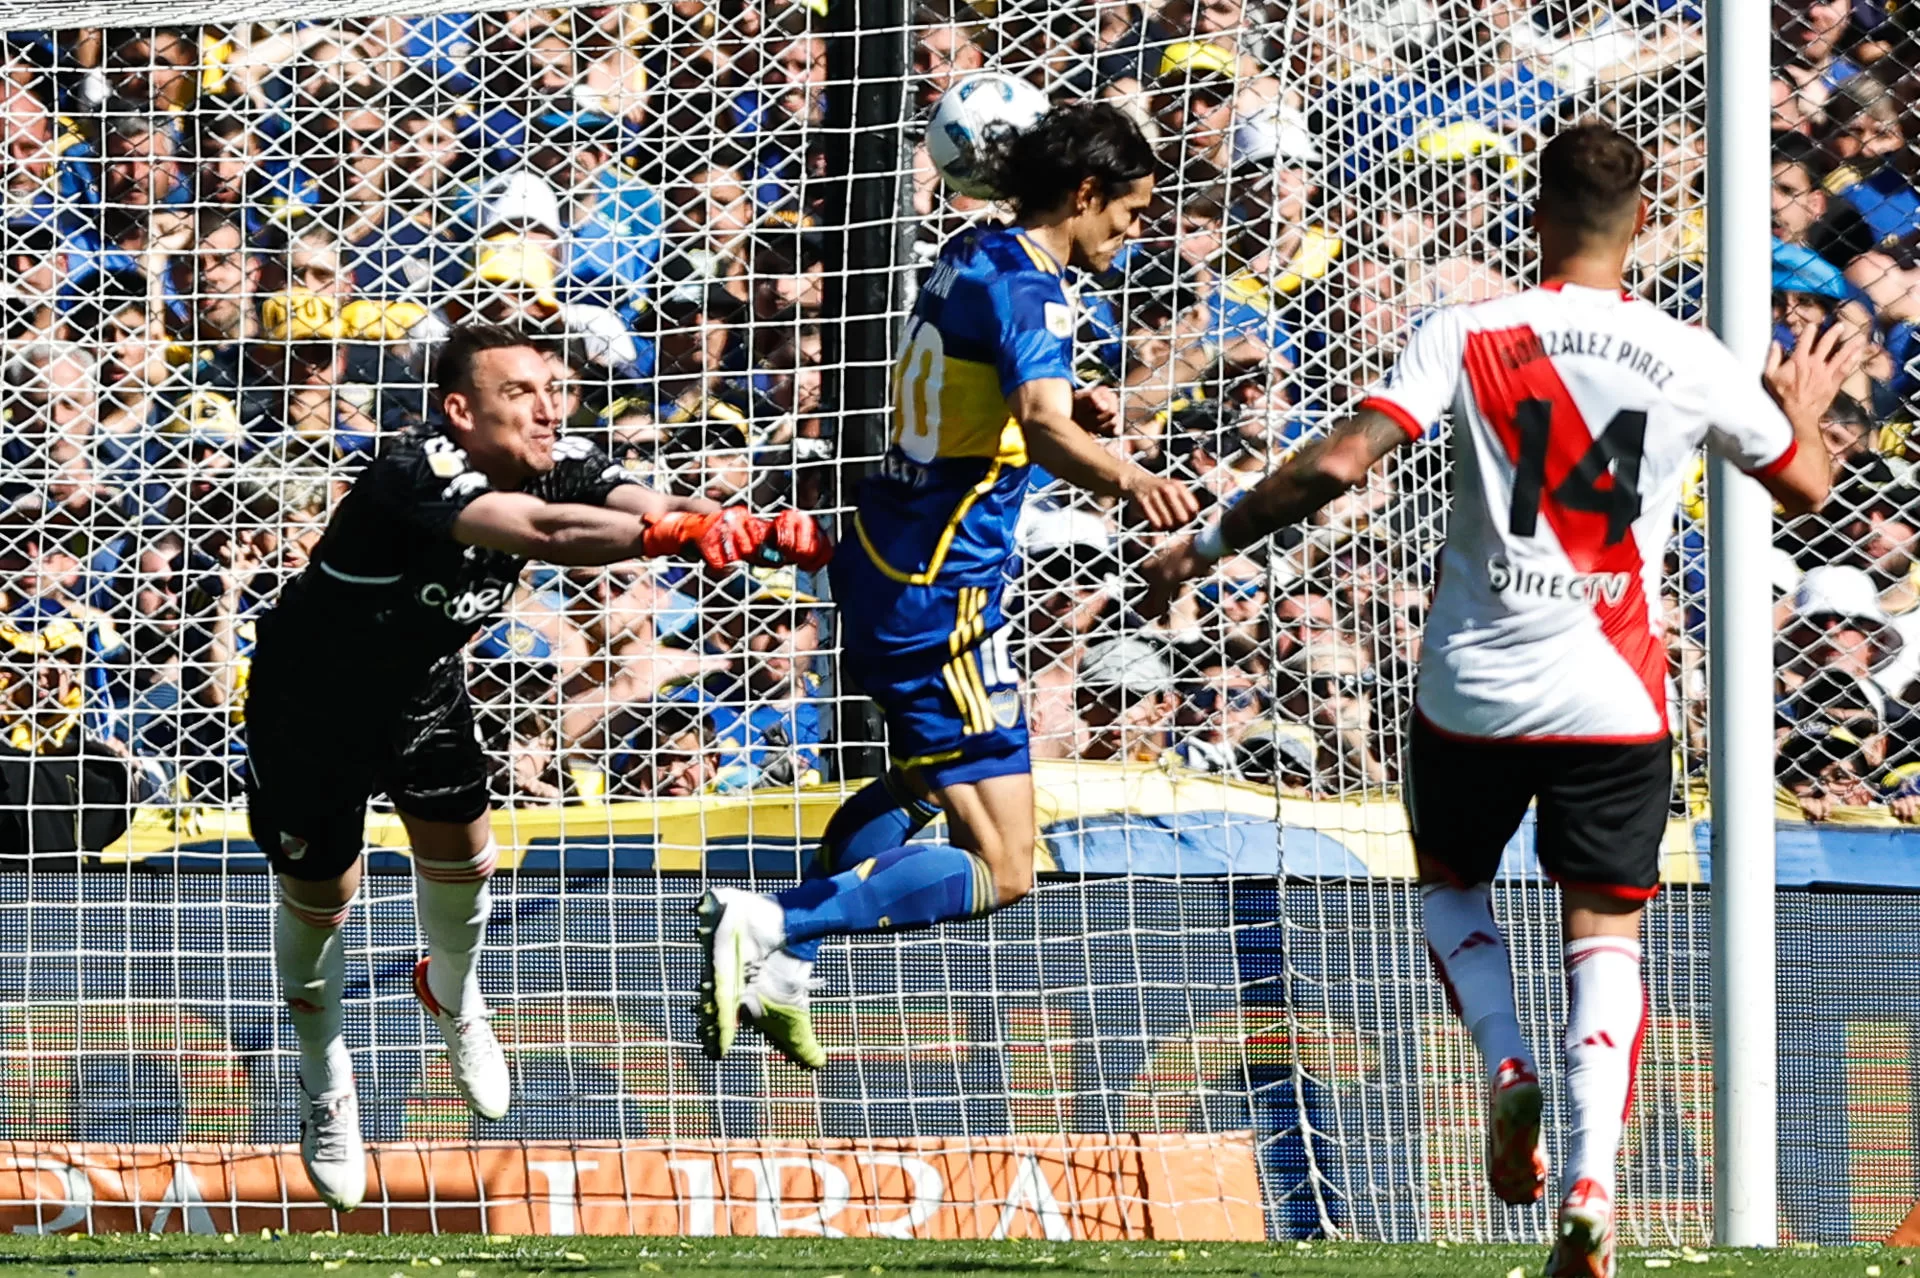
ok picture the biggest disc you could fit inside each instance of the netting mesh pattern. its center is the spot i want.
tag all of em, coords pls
(233, 239)
(234, 246)
(1843, 90)
(145, 1010)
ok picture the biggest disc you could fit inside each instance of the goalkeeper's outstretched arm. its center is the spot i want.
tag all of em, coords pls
(638, 499)
(566, 533)
(572, 533)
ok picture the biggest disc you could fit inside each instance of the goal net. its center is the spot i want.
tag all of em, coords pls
(234, 234)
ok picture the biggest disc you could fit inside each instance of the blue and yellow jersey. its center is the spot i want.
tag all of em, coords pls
(934, 526)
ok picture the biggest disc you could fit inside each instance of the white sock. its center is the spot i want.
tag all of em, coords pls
(1606, 1013)
(452, 904)
(786, 975)
(313, 967)
(1470, 955)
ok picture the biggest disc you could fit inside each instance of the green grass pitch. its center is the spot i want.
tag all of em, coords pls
(468, 1256)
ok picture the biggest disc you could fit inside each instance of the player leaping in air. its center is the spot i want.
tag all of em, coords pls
(420, 555)
(1576, 412)
(983, 391)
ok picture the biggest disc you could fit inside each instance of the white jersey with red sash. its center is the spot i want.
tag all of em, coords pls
(1576, 416)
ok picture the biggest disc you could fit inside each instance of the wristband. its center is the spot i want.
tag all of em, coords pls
(1210, 543)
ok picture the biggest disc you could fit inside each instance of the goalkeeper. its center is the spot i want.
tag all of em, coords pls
(983, 392)
(424, 551)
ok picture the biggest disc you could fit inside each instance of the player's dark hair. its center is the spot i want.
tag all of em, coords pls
(1042, 167)
(453, 363)
(1590, 176)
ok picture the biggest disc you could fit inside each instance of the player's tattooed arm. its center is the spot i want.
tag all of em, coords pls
(1319, 472)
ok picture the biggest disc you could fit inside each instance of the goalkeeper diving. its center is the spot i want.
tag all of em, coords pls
(983, 392)
(423, 552)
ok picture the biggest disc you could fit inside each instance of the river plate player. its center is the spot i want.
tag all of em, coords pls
(420, 555)
(1577, 410)
(983, 390)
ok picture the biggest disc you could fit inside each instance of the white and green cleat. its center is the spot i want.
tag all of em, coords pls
(777, 1002)
(738, 932)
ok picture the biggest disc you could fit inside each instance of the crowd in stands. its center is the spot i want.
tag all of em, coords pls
(229, 251)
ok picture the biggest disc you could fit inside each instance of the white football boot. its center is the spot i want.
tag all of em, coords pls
(331, 1148)
(479, 1066)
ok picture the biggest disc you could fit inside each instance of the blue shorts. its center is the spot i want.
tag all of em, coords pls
(951, 719)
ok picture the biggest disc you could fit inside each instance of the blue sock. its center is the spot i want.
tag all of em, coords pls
(899, 889)
(880, 816)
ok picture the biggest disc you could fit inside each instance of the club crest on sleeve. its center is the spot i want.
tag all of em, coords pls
(1059, 318)
(471, 481)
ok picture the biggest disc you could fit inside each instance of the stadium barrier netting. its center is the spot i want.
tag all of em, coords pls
(231, 242)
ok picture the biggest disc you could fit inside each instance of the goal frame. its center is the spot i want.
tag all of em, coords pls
(1740, 634)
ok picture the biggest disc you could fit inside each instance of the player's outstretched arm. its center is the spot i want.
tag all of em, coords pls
(564, 533)
(722, 537)
(1044, 408)
(1319, 472)
(638, 499)
(572, 533)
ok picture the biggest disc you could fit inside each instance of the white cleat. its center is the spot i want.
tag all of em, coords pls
(331, 1149)
(739, 931)
(479, 1066)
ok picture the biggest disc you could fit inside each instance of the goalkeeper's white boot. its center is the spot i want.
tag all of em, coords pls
(776, 1001)
(738, 932)
(331, 1148)
(473, 1053)
(1583, 1247)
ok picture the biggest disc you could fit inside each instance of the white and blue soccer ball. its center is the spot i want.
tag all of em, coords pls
(979, 113)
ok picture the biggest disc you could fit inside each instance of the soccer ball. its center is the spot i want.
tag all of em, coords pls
(975, 115)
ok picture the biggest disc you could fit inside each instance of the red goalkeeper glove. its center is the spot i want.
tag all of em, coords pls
(723, 538)
(800, 542)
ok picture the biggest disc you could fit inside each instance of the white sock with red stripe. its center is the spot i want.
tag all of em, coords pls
(452, 903)
(1606, 1015)
(312, 967)
(1470, 956)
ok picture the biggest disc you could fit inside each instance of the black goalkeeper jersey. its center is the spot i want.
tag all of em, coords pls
(388, 592)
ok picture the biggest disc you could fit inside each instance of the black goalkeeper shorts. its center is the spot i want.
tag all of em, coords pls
(1601, 815)
(313, 762)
